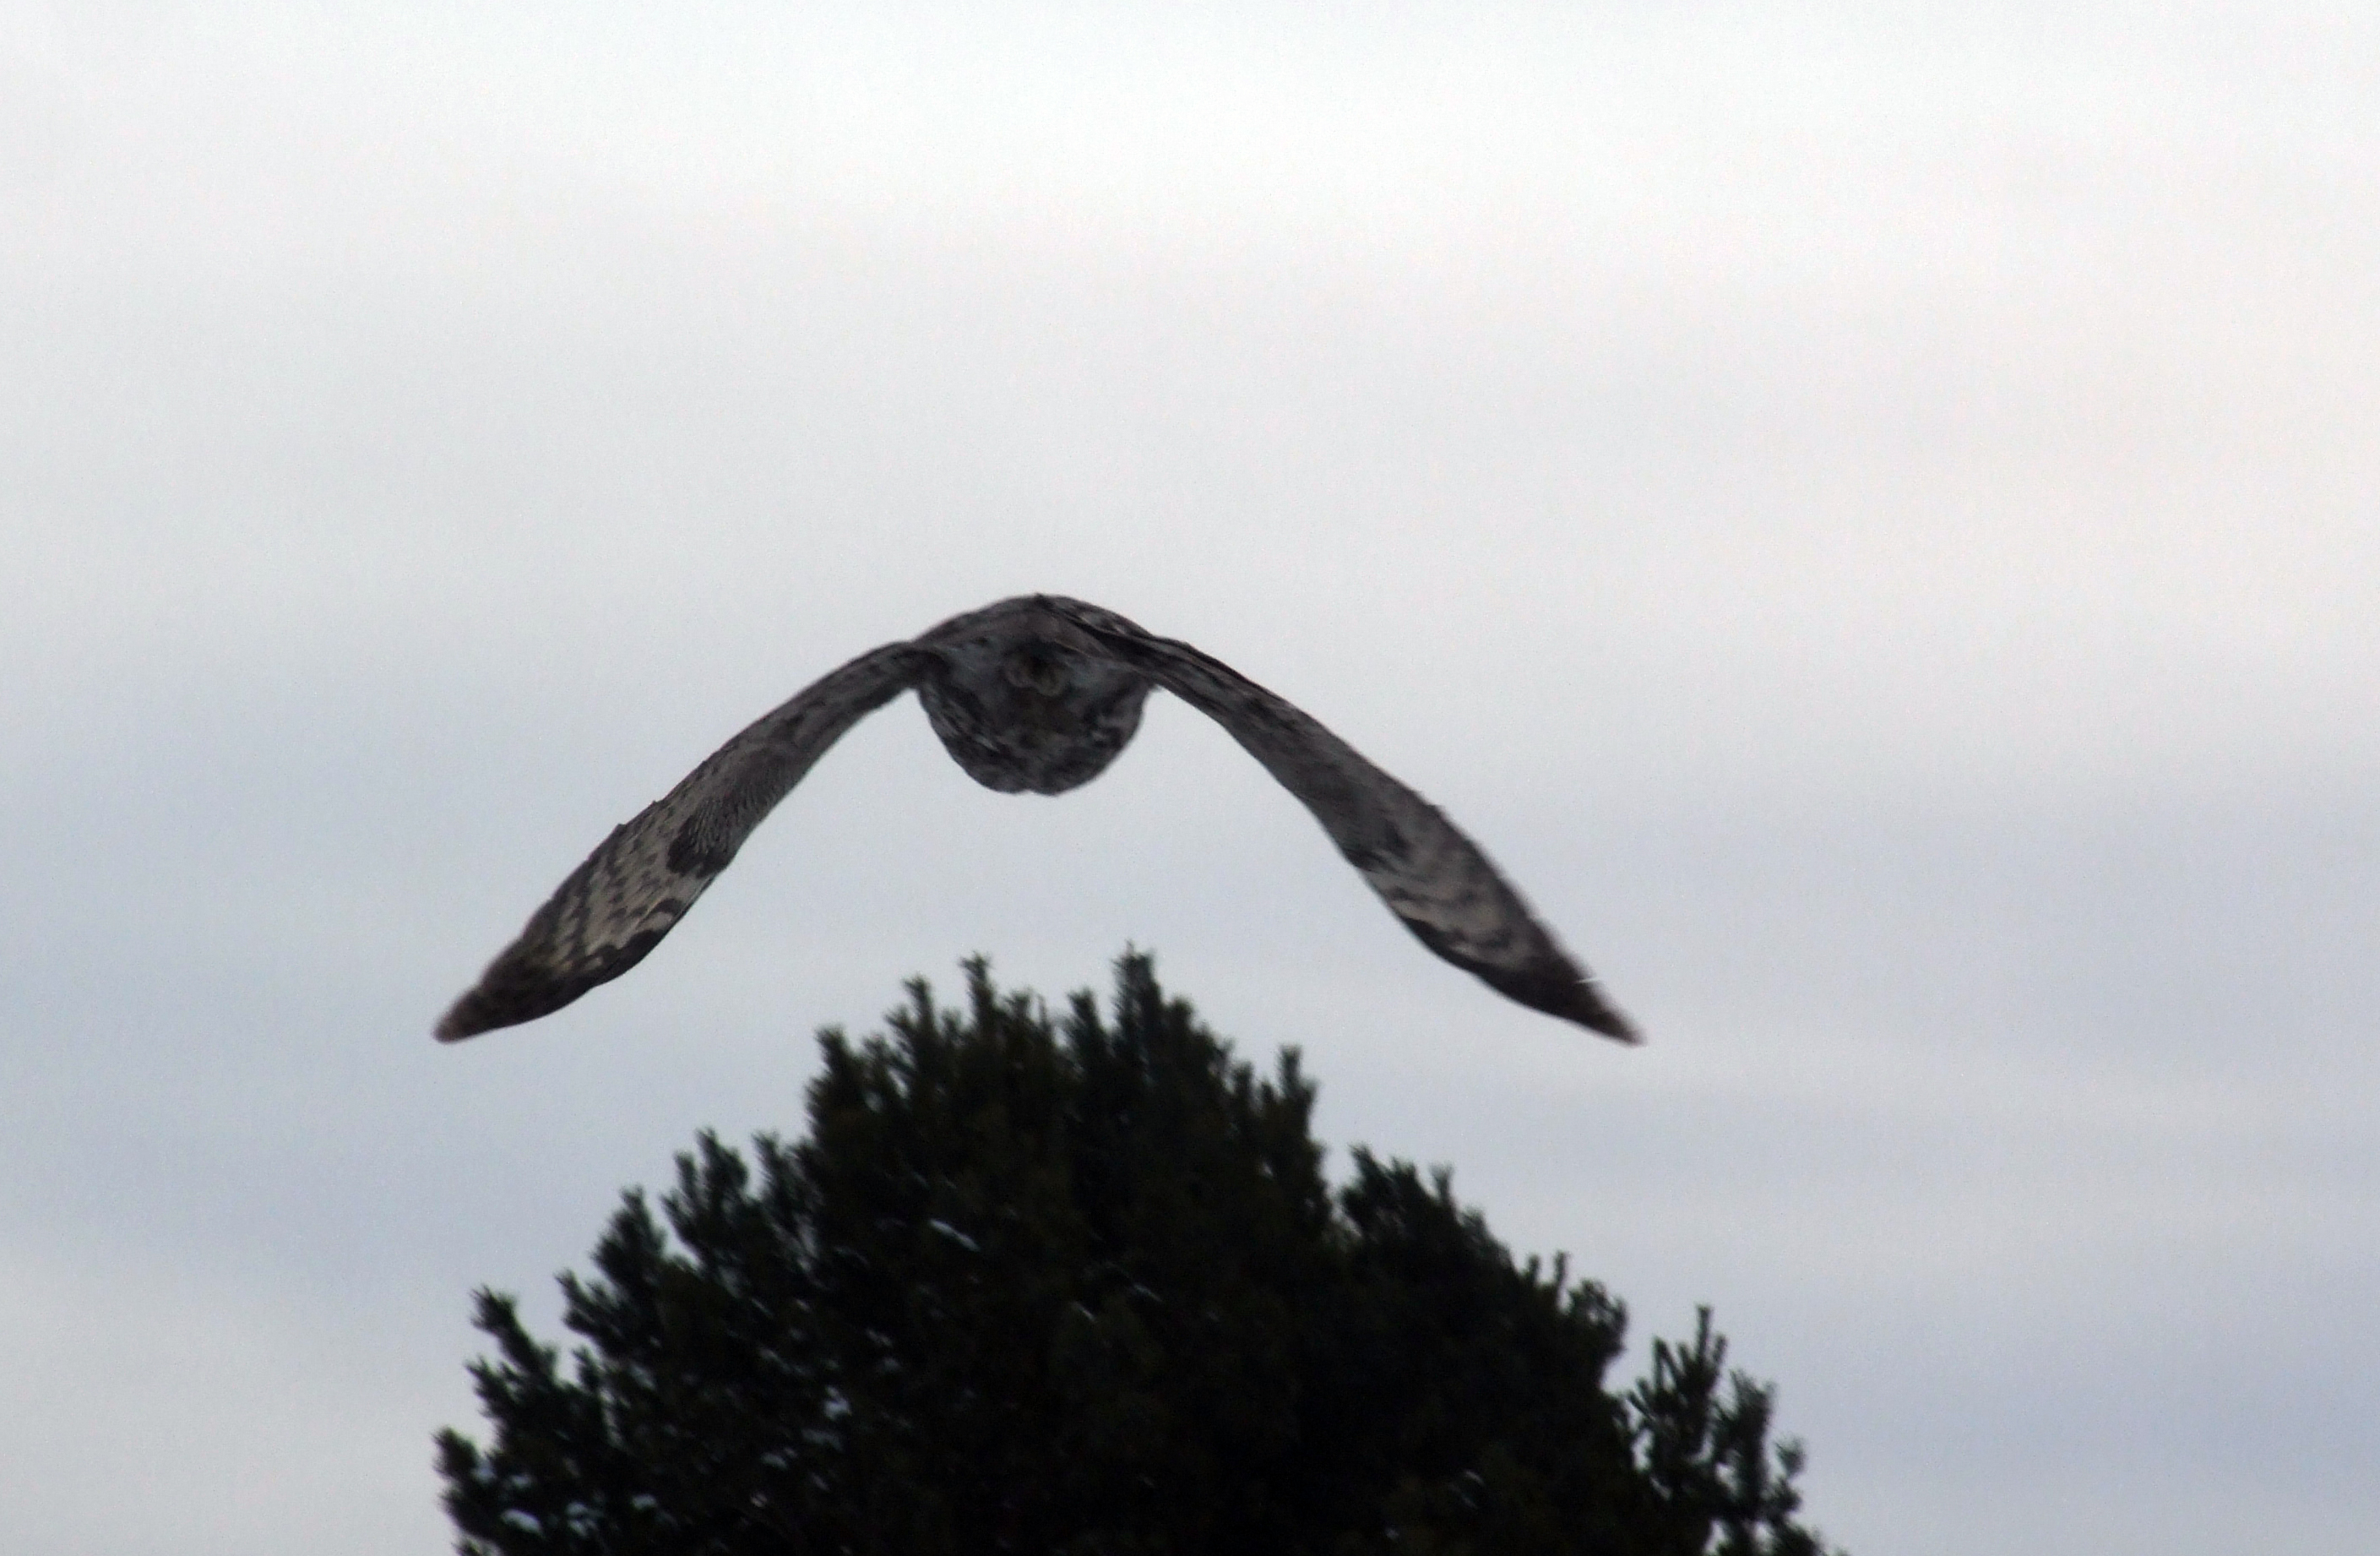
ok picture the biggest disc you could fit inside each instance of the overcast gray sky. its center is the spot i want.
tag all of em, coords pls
(1867, 511)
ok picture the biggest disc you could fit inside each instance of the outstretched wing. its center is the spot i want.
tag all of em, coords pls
(617, 906)
(1434, 878)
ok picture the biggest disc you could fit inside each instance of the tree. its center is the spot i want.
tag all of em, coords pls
(1082, 1287)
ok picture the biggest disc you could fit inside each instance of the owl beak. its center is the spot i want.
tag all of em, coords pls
(1029, 671)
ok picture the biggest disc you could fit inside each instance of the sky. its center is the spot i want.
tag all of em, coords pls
(1865, 511)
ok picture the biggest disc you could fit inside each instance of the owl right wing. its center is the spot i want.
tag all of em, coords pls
(1440, 884)
(639, 881)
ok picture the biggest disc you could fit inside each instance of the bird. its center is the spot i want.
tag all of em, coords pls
(1038, 693)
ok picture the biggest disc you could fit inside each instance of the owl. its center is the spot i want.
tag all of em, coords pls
(1038, 693)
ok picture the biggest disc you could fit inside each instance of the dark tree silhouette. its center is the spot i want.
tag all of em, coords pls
(1081, 1287)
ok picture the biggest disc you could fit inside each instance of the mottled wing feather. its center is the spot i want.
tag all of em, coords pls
(1433, 878)
(640, 881)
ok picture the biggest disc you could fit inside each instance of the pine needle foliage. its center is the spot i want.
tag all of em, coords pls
(1080, 1287)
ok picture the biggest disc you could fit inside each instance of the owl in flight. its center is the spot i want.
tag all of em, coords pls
(1037, 693)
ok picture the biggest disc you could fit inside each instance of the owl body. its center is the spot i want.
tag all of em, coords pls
(1022, 700)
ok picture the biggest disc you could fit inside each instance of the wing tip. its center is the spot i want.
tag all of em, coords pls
(1617, 1027)
(497, 1002)
(521, 985)
(1591, 1010)
(508, 994)
(1565, 991)
(469, 1017)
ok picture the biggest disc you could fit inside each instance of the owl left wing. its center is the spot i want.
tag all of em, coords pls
(1433, 878)
(638, 883)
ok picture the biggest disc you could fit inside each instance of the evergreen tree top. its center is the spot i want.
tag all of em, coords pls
(1033, 1284)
